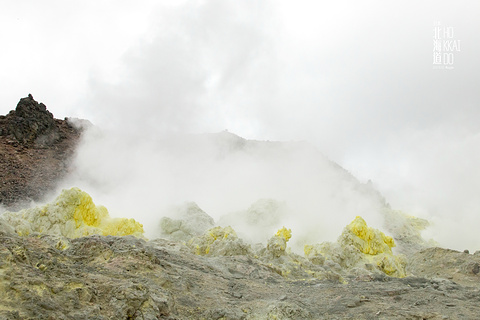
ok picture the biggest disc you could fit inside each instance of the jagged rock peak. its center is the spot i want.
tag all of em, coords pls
(28, 107)
(31, 123)
(36, 152)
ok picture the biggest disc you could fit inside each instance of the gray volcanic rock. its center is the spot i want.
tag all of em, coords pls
(457, 266)
(190, 221)
(100, 277)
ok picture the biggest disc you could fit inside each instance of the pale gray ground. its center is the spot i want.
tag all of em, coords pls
(127, 278)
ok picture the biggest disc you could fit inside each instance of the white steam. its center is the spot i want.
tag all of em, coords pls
(354, 79)
(356, 83)
(143, 176)
(440, 182)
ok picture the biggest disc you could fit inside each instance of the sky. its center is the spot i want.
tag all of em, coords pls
(355, 79)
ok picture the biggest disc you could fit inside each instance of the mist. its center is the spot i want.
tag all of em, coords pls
(146, 177)
(353, 80)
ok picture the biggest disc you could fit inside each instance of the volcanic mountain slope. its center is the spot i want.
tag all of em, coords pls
(35, 152)
(67, 260)
(280, 184)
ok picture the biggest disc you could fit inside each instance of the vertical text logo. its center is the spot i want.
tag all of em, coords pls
(444, 46)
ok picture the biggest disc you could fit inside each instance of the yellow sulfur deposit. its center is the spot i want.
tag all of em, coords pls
(284, 233)
(359, 246)
(368, 240)
(219, 233)
(375, 248)
(86, 212)
(73, 214)
(277, 244)
(292, 266)
(219, 241)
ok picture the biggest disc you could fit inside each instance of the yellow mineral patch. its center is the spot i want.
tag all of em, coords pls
(277, 244)
(369, 240)
(120, 227)
(62, 245)
(284, 233)
(375, 248)
(221, 241)
(202, 245)
(220, 233)
(73, 214)
(359, 247)
(307, 249)
(86, 212)
(73, 286)
(392, 265)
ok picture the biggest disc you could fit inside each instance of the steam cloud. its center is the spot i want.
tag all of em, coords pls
(144, 177)
(355, 80)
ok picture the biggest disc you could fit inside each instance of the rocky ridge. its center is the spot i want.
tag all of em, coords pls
(35, 152)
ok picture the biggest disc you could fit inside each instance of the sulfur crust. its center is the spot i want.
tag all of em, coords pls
(369, 240)
(73, 214)
(284, 233)
(357, 246)
(218, 241)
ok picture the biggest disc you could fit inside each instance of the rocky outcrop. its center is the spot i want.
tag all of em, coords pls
(36, 149)
(73, 214)
(189, 221)
(31, 123)
(106, 277)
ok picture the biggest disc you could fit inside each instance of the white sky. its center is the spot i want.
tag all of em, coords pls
(354, 78)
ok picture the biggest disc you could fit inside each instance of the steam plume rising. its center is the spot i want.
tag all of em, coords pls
(353, 79)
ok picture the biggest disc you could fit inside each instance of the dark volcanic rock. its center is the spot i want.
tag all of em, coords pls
(35, 150)
(32, 123)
